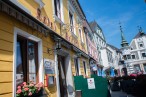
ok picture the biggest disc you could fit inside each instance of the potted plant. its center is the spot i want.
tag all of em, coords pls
(29, 89)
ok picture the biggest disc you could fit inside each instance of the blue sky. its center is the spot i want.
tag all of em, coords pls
(108, 14)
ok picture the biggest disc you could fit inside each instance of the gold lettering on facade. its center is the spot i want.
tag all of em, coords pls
(45, 20)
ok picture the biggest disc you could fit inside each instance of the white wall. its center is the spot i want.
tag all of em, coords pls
(104, 57)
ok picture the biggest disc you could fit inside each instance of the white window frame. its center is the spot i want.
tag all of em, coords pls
(78, 64)
(141, 43)
(16, 2)
(17, 32)
(40, 2)
(82, 38)
(142, 56)
(60, 20)
(132, 55)
(72, 11)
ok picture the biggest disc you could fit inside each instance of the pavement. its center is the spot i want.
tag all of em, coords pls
(119, 94)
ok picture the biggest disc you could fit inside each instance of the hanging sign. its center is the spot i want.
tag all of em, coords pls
(91, 84)
(49, 66)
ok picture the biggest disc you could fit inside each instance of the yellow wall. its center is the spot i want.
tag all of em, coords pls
(47, 11)
(7, 25)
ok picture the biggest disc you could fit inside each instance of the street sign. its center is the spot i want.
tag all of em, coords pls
(91, 84)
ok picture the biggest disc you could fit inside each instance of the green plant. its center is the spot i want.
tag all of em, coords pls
(28, 89)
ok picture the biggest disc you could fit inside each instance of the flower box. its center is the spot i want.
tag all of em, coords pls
(29, 90)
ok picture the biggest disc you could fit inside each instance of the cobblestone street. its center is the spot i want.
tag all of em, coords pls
(119, 94)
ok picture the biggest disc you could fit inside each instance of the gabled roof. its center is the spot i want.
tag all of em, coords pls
(140, 34)
(113, 47)
(94, 25)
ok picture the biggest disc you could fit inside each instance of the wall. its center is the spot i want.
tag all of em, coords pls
(7, 25)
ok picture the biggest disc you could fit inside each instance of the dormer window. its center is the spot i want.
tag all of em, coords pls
(141, 44)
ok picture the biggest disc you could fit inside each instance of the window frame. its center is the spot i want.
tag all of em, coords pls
(71, 21)
(81, 35)
(61, 18)
(132, 56)
(25, 61)
(144, 55)
(57, 8)
(18, 31)
(141, 43)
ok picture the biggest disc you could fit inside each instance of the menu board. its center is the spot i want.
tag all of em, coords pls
(49, 66)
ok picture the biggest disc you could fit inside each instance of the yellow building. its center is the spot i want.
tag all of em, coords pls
(42, 41)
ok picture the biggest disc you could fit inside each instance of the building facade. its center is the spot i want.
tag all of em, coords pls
(92, 49)
(134, 55)
(100, 42)
(42, 41)
(116, 60)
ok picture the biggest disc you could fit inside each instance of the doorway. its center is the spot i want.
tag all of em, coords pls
(62, 76)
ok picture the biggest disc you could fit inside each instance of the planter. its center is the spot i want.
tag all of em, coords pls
(39, 94)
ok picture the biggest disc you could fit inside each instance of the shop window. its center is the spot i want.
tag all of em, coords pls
(26, 60)
(57, 8)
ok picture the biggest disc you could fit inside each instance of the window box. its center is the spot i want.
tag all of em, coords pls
(29, 90)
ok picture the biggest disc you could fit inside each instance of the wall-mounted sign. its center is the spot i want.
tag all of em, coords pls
(91, 84)
(49, 66)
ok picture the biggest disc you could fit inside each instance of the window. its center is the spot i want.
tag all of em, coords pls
(71, 22)
(133, 56)
(125, 58)
(141, 44)
(144, 67)
(143, 55)
(76, 66)
(26, 60)
(81, 35)
(128, 57)
(84, 64)
(137, 68)
(57, 8)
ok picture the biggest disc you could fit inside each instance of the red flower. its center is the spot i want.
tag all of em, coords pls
(24, 83)
(29, 94)
(19, 87)
(19, 91)
(26, 89)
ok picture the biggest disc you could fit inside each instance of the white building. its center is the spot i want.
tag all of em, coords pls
(134, 55)
(108, 55)
(116, 59)
(99, 39)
